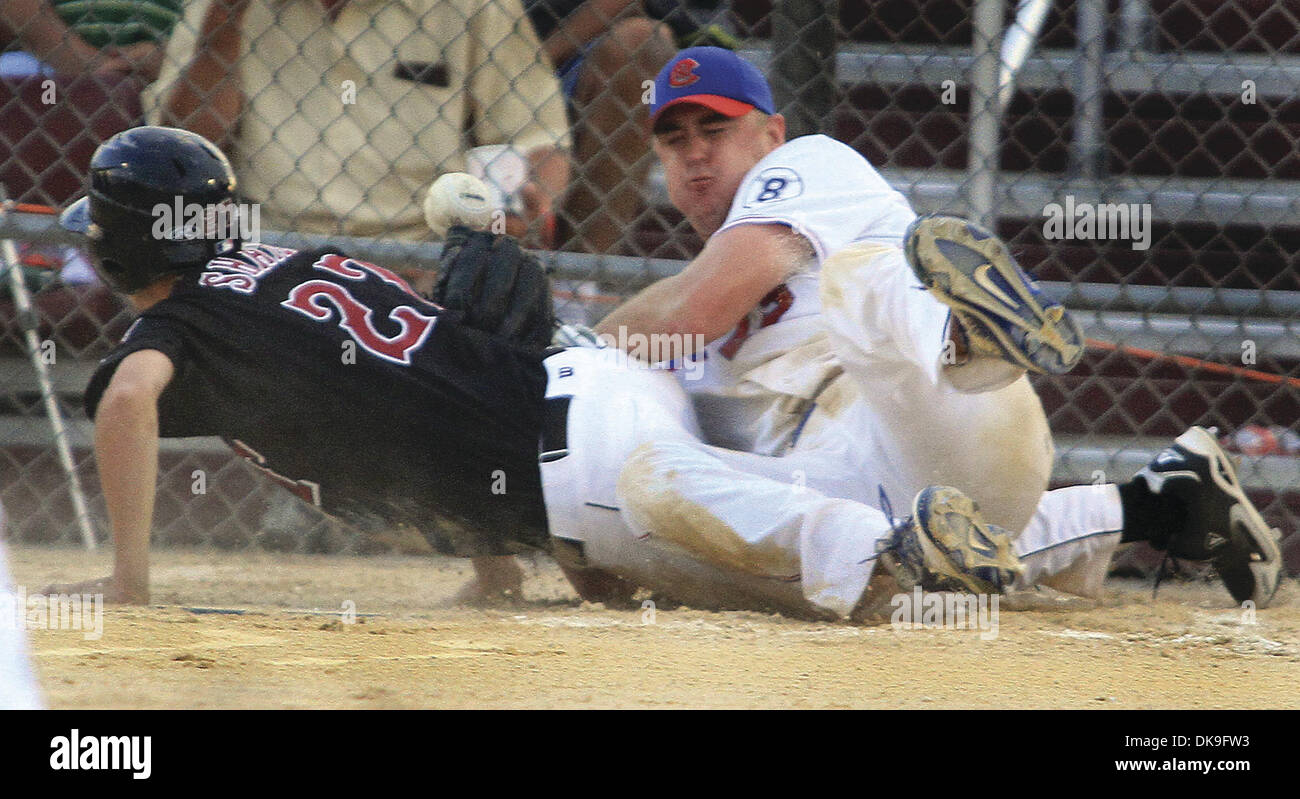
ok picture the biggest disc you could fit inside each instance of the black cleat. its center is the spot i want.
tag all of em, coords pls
(1223, 526)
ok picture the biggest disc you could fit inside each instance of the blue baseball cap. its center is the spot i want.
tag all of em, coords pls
(714, 78)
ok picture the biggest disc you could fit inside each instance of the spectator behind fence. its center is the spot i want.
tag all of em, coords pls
(75, 37)
(603, 50)
(100, 53)
(338, 114)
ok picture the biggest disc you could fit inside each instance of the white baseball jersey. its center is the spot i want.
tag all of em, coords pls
(827, 192)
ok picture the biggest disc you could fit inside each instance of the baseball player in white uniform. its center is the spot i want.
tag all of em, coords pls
(875, 355)
(18, 689)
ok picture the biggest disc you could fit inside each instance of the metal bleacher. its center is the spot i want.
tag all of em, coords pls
(1246, 201)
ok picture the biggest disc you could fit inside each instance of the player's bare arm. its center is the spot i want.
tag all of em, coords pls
(729, 277)
(207, 97)
(126, 450)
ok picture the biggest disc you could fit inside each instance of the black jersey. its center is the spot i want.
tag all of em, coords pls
(336, 378)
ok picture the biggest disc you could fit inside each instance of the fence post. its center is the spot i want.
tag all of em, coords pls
(982, 160)
(1088, 153)
(803, 64)
(1135, 26)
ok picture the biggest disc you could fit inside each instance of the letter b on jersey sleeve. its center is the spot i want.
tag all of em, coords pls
(773, 185)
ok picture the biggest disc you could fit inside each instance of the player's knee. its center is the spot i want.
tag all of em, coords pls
(650, 474)
(1010, 500)
(846, 273)
(655, 461)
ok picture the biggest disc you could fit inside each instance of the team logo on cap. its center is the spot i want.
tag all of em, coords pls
(683, 73)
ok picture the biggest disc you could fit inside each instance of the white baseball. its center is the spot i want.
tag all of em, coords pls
(457, 198)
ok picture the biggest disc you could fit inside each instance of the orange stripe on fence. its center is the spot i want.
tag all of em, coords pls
(1195, 363)
(31, 208)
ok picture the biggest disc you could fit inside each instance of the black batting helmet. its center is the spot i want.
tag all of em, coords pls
(154, 196)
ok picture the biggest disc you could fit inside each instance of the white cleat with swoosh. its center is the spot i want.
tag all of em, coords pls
(1000, 311)
(945, 545)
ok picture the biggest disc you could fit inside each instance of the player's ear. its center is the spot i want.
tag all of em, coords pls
(775, 130)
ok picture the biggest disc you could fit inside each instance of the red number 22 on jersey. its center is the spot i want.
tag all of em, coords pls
(313, 297)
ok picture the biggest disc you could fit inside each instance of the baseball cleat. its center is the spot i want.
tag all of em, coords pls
(1002, 313)
(947, 546)
(1221, 525)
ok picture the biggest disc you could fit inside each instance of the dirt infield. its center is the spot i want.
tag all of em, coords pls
(288, 646)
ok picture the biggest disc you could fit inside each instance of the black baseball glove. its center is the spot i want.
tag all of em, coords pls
(501, 289)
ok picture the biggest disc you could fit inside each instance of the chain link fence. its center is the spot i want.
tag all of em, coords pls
(1139, 157)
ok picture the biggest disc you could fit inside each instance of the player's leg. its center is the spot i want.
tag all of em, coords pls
(685, 495)
(942, 369)
(1069, 542)
(877, 313)
(689, 497)
(599, 411)
(978, 322)
(1189, 503)
(18, 689)
(905, 434)
(705, 524)
(891, 338)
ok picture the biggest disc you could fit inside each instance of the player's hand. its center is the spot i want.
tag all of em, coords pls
(113, 591)
(539, 215)
(498, 581)
(549, 171)
(535, 227)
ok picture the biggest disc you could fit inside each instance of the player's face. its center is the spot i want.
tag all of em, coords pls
(706, 154)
